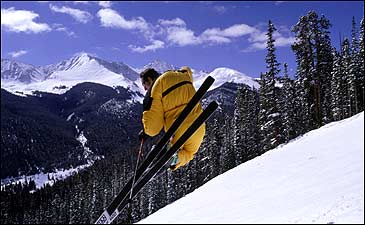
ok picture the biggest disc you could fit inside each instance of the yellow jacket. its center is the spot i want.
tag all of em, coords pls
(163, 104)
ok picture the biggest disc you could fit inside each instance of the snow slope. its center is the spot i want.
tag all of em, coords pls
(317, 178)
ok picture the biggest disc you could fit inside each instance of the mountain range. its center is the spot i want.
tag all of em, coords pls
(21, 78)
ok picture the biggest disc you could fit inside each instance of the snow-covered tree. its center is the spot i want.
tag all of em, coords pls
(238, 135)
(336, 84)
(216, 148)
(246, 127)
(346, 78)
(361, 80)
(354, 71)
(228, 155)
(288, 106)
(312, 48)
(270, 117)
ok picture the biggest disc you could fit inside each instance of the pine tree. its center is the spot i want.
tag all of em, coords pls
(336, 86)
(251, 124)
(238, 136)
(303, 52)
(216, 147)
(228, 156)
(346, 78)
(203, 157)
(270, 117)
(152, 196)
(354, 71)
(288, 106)
(361, 80)
(312, 48)
(324, 68)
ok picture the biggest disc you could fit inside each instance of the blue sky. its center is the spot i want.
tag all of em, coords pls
(204, 35)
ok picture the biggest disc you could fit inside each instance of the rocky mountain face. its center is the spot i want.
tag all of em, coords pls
(16, 71)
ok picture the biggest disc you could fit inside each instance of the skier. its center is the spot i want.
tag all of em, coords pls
(158, 88)
(166, 97)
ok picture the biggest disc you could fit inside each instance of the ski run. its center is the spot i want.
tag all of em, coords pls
(316, 178)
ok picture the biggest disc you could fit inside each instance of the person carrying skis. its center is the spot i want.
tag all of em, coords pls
(166, 96)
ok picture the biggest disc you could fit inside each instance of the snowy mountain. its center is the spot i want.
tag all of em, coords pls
(61, 77)
(159, 66)
(16, 71)
(20, 78)
(316, 178)
(223, 75)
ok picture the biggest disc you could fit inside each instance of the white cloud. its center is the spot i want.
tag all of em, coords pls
(258, 40)
(279, 2)
(223, 36)
(238, 30)
(258, 37)
(79, 15)
(220, 9)
(215, 39)
(61, 28)
(79, 2)
(182, 36)
(174, 22)
(111, 18)
(283, 41)
(21, 21)
(105, 4)
(176, 32)
(156, 44)
(256, 46)
(18, 53)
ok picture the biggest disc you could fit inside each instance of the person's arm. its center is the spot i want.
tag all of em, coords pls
(153, 114)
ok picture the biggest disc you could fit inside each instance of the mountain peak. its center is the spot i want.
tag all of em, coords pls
(223, 74)
(17, 71)
(78, 59)
(160, 66)
(83, 55)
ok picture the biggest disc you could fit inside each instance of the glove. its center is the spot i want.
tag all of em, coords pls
(173, 162)
(142, 135)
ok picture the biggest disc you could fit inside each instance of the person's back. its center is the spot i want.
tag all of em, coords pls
(168, 96)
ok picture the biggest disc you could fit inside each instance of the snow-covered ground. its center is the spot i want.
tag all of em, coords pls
(317, 178)
(42, 179)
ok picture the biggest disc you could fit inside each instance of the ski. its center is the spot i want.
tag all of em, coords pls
(166, 157)
(110, 212)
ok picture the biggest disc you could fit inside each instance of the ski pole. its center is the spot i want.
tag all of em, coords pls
(134, 177)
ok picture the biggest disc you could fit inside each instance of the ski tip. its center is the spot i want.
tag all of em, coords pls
(210, 79)
(214, 105)
(104, 218)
